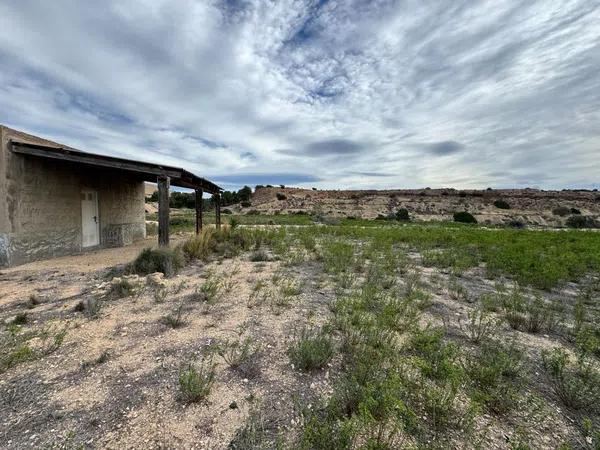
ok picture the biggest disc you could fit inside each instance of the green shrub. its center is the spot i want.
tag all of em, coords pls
(259, 256)
(587, 339)
(280, 196)
(526, 314)
(123, 287)
(245, 204)
(233, 223)
(501, 204)
(241, 356)
(402, 214)
(201, 245)
(575, 211)
(312, 350)
(480, 325)
(254, 434)
(195, 382)
(495, 375)
(436, 358)
(20, 319)
(464, 217)
(175, 319)
(582, 222)
(516, 223)
(166, 260)
(561, 211)
(576, 384)
(210, 292)
(12, 357)
(338, 256)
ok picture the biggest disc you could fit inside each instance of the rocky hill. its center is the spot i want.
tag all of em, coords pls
(526, 206)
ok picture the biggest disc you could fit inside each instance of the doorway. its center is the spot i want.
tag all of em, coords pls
(90, 223)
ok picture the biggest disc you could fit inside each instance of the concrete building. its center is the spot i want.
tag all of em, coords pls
(56, 200)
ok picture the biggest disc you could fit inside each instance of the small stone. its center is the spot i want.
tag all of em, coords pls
(233, 405)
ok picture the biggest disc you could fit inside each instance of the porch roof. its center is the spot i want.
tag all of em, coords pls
(148, 171)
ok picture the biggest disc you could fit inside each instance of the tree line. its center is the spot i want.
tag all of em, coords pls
(188, 199)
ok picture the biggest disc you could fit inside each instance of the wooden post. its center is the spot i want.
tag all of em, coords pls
(218, 210)
(163, 211)
(198, 201)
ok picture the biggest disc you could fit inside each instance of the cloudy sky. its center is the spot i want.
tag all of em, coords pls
(348, 94)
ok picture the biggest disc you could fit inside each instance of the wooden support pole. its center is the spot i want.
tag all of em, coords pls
(198, 200)
(163, 211)
(218, 210)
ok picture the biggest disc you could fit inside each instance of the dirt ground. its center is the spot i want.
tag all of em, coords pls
(113, 383)
(131, 399)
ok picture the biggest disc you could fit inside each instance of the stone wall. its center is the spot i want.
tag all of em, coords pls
(42, 204)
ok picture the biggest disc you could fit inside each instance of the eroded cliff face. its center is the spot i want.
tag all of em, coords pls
(529, 206)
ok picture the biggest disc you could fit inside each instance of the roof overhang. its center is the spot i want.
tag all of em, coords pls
(148, 171)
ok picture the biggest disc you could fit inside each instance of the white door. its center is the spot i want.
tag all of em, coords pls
(90, 223)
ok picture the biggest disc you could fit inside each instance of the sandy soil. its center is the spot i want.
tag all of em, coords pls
(114, 381)
(132, 399)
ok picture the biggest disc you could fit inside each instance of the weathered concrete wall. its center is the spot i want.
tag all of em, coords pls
(43, 205)
(4, 223)
(121, 203)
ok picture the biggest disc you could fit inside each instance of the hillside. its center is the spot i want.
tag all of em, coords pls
(528, 206)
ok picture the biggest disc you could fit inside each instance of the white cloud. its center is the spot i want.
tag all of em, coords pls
(468, 94)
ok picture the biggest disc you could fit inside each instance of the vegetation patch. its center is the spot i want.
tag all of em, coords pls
(501, 204)
(196, 381)
(464, 217)
(166, 260)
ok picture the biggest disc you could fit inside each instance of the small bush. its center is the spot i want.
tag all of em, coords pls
(166, 260)
(241, 356)
(582, 222)
(201, 245)
(259, 256)
(436, 358)
(337, 256)
(516, 223)
(20, 319)
(402, 214)
(312, 350)
(255, 434)
(576, 384)
(281, 196)
(561, 211)
(464, 217)
(575, 211)
(195, 382)
(494, 372)
(160, 294)
(501, 204)
(209, 293)
(245, 204)
(121, 287)
(531, 315)
(480, 325)
(175, 319)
